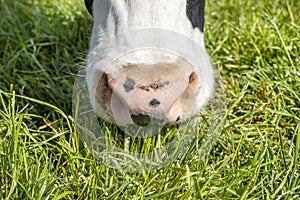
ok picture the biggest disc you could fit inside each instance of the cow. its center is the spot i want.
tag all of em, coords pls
(147, 62)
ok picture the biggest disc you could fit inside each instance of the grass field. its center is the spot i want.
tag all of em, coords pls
(256, 45)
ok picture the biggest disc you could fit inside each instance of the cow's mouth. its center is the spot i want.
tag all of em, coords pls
(145, 94)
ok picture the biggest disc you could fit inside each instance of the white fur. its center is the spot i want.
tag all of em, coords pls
(113, 17)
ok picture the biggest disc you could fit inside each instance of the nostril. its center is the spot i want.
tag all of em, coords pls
(141, 120)
(103, 91)
(193, 80)
(193, 77)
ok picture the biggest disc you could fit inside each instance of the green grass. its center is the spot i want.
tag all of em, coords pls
(255, 44)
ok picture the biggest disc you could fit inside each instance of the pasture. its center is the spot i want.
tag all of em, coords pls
(254, 44)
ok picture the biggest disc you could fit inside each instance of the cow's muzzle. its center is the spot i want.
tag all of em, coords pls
(144, 94)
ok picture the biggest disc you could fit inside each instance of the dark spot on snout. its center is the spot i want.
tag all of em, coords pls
(158, 85)
(154, 103)
(140, 119)
(129, 84)
(154, 86)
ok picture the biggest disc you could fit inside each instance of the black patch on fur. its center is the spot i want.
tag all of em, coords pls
(195, 12)
(89, 6)
(129, 84)
(154, 103)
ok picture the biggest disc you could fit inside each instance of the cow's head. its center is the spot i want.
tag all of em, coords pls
(141, 73)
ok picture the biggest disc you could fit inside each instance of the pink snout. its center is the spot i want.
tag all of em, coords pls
(148, 93)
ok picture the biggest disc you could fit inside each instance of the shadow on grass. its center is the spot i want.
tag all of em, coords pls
(43, 43)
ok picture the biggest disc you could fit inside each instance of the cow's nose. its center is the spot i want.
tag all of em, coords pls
(152, 94)
(141, 119)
